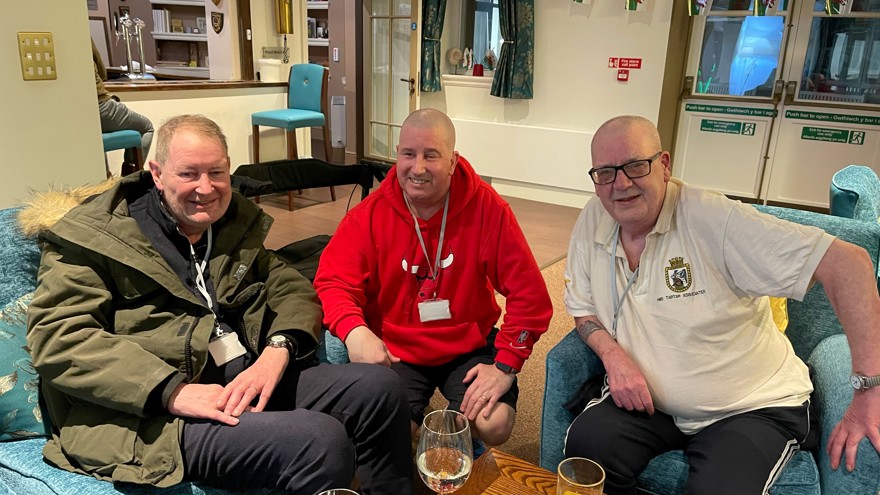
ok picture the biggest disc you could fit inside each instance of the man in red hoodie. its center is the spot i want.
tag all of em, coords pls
(409, 280)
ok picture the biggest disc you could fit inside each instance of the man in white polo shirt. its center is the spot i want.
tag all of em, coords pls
(666, 283)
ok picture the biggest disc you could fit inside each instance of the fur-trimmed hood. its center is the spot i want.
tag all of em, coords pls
(45, 208)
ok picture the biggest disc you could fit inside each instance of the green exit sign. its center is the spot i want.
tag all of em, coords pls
(833, 135)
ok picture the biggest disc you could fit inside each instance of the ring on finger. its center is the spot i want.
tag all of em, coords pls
(484, 398)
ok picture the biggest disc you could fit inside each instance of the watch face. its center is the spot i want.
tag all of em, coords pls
(278, 340)
(856, 381)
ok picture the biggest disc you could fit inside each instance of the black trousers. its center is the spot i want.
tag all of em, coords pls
(326, 424)
(739, 455)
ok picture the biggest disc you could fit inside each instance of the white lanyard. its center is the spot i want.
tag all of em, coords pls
(618, 302)
(435, 271)
(201, 285)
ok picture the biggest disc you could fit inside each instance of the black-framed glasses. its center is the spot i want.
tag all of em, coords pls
(633, 170)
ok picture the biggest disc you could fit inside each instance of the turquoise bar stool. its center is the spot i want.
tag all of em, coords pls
(306, 107)
(125, 139)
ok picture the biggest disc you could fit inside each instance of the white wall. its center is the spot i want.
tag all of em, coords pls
(539, 148)
(50, 132)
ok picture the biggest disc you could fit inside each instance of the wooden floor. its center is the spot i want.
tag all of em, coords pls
(547, 227)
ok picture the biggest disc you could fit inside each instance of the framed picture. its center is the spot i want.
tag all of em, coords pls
(201, 25)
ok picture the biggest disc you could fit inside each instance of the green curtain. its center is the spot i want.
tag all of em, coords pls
(433, 12)
(516, 67)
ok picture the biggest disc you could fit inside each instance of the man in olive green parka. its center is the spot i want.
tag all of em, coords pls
(172, 346)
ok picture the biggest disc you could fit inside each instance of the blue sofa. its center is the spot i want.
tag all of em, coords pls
(22, 433)
(817, 338)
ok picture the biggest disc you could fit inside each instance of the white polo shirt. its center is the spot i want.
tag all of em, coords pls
(696, 319)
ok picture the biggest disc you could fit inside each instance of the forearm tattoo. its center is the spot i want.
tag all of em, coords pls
(587, 327)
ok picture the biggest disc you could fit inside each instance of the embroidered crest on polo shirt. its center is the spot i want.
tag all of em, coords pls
(678, 275)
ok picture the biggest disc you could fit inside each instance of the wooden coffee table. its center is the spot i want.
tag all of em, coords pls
(497, 473)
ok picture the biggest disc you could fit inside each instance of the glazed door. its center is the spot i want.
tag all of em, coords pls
(752, 122)
(391, 71)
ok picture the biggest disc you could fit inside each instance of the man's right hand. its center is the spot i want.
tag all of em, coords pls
(627, 383)
(194, 400)
(365, 347)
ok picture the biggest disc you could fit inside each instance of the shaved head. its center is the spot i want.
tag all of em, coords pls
(430, 118)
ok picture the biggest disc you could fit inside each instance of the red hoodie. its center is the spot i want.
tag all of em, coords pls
(372, 270)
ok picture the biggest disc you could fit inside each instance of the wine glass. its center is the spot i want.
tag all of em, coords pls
(445, 452)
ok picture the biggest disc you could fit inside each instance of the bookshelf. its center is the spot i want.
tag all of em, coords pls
(318, 20)
(179, 30)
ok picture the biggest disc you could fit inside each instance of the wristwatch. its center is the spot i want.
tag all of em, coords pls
(508, 370)
(279, 340)
(862, 382)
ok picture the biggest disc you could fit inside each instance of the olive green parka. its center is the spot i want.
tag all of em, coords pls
(110, 322)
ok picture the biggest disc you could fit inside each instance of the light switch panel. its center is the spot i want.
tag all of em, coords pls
(37, 52)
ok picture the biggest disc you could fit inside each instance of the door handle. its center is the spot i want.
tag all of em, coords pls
(412, 84)
(687, 88)
(790, 90)
(778, 89)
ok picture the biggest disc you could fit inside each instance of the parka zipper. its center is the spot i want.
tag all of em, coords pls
(187, 352)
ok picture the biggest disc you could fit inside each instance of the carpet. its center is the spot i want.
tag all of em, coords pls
(525, 441)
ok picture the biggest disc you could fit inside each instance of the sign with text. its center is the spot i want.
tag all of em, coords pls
(745, 111)
(630, 63)
(833, 135)
(841, 118)
(624, 63)
(723, 126)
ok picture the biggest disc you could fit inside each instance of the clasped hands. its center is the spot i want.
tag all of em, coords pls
(225, 404)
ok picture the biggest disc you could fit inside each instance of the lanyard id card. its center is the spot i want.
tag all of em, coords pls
(433, 310)
(225, 348)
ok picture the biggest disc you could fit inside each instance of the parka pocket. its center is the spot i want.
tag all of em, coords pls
(99, 439)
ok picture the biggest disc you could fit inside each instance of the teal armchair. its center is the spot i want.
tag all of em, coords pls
(817, 338)
(855, 193)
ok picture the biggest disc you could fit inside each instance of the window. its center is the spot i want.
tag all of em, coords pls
(482, 28)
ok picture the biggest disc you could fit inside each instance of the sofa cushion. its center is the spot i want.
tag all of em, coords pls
(20, 414)
(666, 474)
(22, 470)
(19, 259)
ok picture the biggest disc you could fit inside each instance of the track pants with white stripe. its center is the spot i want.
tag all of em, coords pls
(741, 455)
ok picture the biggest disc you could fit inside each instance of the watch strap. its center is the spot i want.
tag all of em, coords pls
(871, 381)
(508, 370)
(281, 341)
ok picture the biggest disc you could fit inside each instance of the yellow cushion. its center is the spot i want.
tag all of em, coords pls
(779, 307)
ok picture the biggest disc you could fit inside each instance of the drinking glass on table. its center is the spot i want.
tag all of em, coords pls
(579, 476)
(445, 452)
(339, 491)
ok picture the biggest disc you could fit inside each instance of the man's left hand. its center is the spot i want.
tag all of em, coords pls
(861, 419)
(488, 385)
(261, 378)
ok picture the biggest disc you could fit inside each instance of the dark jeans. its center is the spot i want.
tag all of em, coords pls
(326, 424)
(742, 454)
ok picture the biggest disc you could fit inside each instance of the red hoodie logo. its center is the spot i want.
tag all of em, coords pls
(427, 285)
